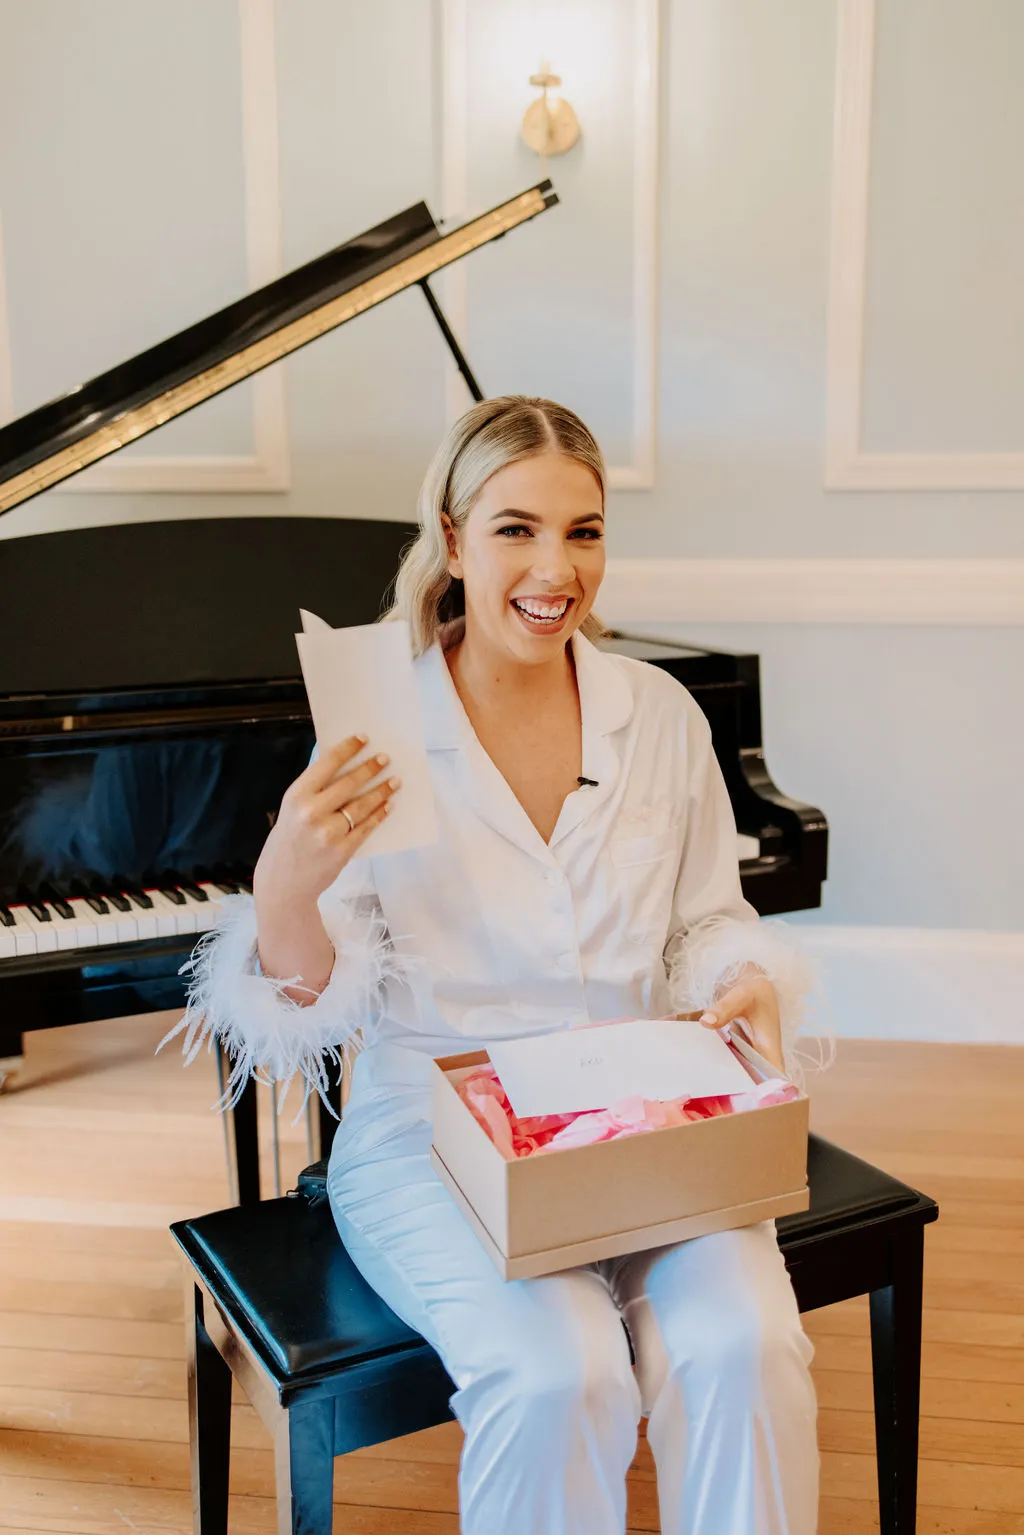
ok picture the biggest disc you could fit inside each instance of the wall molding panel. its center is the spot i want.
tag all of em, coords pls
(952, 592)
(267, 467)
(639, 472)
(950, 985)
(847, 465)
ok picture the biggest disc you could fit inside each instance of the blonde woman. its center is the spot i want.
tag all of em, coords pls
(547, 902)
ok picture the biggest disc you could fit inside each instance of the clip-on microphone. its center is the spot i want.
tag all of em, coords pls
(591, 783)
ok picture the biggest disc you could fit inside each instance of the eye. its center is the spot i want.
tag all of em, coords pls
(587, 533)
(513, 527)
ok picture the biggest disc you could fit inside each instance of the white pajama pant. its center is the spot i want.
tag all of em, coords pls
(546, 1394)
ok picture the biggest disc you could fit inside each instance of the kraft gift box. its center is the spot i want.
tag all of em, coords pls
(538, 1214)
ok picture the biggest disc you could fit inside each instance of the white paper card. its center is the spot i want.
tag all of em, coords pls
(580, 1069)
(361, 679)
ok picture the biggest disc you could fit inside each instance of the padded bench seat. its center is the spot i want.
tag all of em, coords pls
(275, 1298)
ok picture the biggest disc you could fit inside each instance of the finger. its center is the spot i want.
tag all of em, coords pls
(332, 759)
(364, 805)
(337, 793)
(736, 1002)
(369, 823)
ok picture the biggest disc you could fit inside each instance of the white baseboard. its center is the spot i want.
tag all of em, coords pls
(855, 591)
(948, 985)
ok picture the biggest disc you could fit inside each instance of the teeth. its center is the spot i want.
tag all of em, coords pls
(539, 610)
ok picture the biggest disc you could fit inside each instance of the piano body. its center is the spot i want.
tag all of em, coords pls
(151, 707)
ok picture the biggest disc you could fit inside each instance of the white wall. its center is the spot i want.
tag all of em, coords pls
(154, 159)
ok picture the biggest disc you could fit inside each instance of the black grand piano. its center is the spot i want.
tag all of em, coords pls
(151, 707)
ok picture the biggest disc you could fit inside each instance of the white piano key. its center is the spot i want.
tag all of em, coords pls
(184, 915)
(145, 921)
(748, 847)
(126, 927)
(205, 912)
(8, 943)
(215, 899)
(46, 932)
(87, 935)
(164, 914)
(24, 934)
(108, 929)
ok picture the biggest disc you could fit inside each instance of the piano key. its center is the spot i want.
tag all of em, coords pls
(6, 917)
(82, 893)
(164, 914)
(83, 927)
(217, 878)
(748, 847)
(179, 912)
(205, 909)
(45, 932)
(107, 893)
(27, 899)
(24, 933)
(55, 900)
(134, 894)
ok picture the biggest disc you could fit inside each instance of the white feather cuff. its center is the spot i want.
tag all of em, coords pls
(265, 1033)
(712, 957)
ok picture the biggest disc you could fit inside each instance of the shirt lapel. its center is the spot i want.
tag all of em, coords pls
(606, 704)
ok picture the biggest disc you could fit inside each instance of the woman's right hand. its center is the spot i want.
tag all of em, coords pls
(312, 840)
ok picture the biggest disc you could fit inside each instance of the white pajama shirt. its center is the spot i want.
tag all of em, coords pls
(634, 908)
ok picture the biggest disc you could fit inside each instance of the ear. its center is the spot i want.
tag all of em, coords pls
(451, 539)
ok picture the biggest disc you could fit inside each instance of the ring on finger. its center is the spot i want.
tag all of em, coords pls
(351, 823)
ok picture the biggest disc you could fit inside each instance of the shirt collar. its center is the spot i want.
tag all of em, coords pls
(606, 695)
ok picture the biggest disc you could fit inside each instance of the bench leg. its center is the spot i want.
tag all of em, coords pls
(209, 1423)
(304, 1462)
(896, 1366)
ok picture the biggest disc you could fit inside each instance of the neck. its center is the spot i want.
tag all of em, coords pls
(492, 678)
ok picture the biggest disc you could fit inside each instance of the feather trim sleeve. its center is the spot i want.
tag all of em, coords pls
(713, 957)
(265, 1032)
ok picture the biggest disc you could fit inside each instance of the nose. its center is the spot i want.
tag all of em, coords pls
(552, 564)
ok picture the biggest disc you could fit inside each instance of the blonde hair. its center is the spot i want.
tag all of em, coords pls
(489, 437)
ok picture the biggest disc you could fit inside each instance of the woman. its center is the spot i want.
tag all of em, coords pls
(586, 869)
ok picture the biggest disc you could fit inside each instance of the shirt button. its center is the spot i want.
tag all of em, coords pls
(553, 877)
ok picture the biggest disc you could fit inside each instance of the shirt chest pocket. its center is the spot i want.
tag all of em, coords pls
(643, 872)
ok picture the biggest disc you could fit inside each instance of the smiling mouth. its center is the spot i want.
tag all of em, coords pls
(542, 614)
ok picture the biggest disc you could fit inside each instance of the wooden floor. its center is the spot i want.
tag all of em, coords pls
(102, 1145)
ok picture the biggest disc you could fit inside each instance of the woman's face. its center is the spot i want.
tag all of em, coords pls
(531, 555)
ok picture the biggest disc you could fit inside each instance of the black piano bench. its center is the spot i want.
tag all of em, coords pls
(273, 1297)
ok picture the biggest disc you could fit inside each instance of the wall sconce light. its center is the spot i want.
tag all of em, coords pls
(550, 125)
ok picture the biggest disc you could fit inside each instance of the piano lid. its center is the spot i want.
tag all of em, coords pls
(60, 439)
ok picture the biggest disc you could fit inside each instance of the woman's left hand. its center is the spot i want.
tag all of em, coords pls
(753, 999)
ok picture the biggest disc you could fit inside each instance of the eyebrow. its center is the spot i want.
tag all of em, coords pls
(510, 511)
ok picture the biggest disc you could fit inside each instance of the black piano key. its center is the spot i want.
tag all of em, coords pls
(28, 898)
(172, 893)
(52, 896)
(242, 876)
(81, 892)
(184, 883)
(217, 878)
(133, 892)
(106, 891)
(6, 917)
